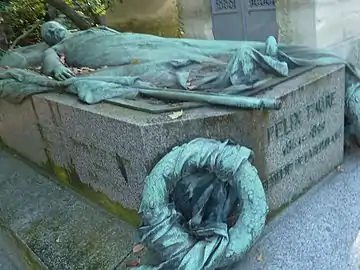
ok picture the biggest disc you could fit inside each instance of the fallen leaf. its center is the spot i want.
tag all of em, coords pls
(340, 169)
(133, 263)
(135, 61)
(176, 115)
(138, 248)
(260, 258)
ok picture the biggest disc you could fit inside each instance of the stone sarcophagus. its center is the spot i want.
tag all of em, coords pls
(110, 149)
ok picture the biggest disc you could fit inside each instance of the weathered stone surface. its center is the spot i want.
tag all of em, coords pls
(293, 27)
(15, 255)
(304, 140)
(157, 17)
(112, 149)
(171, 18)
(19, 129)
(63, 230)
(329, 24)
(196, 18)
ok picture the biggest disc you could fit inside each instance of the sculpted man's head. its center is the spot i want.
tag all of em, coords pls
(53, 32)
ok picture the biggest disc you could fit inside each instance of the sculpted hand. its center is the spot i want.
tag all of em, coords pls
(62, 73)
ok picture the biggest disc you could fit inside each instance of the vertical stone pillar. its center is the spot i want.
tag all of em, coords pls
(196, 18)
(330, 24)
(296, 21)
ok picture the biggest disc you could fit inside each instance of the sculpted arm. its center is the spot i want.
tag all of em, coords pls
(52, 65)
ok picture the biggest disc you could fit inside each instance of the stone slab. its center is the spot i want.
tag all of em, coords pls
(157, 17)
(19, 128)
(15, 255)
(64, 230)
(112, 149)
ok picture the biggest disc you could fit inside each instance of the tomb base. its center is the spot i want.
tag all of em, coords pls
(106, 151)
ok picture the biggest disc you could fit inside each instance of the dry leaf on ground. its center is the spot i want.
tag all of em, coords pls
(260, 258)
(176, 115)
(133, 263)
(138, 248)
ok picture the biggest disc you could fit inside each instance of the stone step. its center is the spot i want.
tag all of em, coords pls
(14, 254)
(62, 229)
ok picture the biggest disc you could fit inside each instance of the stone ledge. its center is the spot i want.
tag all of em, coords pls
(14, 254)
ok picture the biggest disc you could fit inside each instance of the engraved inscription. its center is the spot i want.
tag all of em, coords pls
(261, 3)
(320, 106)
(293, 143)
(224, 5)
(284, 127)
(303, 159)
(293, 122)
(287, 129)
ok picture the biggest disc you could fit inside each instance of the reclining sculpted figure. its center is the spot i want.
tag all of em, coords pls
(128, 63)
(147, 56)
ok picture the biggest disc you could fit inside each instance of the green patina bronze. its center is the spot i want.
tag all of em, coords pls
(139, 64)
(128, 66)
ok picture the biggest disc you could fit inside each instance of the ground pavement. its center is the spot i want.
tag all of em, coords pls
(321, 230)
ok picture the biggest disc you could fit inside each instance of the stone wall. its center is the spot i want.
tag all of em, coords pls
(293, 27)
(336, 21)
(158, 17)
(169, 18)
(196, 18)
(331, 24)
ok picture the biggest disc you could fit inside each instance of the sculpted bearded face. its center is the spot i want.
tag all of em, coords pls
(53, 32)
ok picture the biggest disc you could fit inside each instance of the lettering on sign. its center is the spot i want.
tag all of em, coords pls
(224, 5)
(295, 120)
(261, 3)
(303, 159)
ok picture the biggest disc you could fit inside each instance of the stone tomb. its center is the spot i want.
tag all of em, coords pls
(111, 149)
